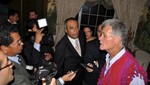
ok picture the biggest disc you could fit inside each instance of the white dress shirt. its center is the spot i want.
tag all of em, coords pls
(37, 46)
(73, 42)
(14, 58)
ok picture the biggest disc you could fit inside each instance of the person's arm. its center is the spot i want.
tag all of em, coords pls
(30, 53)
(59, 59)
(67, 77)
(38, 36)
(37, 46)
(61, 81)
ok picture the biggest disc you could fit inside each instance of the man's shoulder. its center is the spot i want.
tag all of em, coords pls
(62, 40)
(20, 79)
(6, 23)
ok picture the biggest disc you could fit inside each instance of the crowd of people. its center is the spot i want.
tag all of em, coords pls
(80, 58)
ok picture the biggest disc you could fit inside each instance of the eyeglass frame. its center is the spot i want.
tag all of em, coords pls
(19, 42)
(8, 65)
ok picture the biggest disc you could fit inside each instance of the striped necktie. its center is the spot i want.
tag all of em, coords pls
(77, 47)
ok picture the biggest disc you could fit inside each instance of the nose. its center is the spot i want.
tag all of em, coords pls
(76, 30)
(100, 37)
(22, 43)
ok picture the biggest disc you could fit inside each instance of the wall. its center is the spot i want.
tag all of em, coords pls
(23, 6)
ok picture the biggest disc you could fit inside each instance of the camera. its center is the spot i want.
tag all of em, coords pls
(46, 71)
(42, 23)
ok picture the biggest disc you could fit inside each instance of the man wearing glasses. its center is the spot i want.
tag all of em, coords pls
(11, 45)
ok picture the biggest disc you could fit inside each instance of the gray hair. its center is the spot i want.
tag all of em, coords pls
(69, 19)
(118, 28)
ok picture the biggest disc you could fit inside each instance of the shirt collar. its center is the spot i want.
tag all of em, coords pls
(116, 57)
(12, 23)
(72, 40)
(14, 58)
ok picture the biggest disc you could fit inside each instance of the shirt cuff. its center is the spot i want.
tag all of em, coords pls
(37, 46)
(61, 81)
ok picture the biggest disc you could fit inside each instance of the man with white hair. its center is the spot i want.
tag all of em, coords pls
(121, 68)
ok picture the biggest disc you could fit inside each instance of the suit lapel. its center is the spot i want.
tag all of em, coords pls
(18, 67)
(70, 46)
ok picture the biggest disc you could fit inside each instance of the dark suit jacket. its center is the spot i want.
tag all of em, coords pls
(31, 55)
(93, 53)
(16, 25)
(67, 59)
(21, 76)
(8, 23)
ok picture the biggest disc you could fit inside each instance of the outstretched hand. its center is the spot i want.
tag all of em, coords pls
(53, 81)
(90, 69)
(69, 76)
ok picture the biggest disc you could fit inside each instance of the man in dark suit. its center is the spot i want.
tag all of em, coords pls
(69, 52)
(13, 17)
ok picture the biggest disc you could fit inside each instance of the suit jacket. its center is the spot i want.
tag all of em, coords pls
(8, 23)
(67, 59)
(21, 76)
(31, 55)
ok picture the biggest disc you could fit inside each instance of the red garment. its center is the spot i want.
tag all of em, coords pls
(122, 71)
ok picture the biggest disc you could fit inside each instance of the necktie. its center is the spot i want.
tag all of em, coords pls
(77, 47)
(19, 60)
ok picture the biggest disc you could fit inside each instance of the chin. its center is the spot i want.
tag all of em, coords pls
(75, 37)
(101, 48)
(12, 77)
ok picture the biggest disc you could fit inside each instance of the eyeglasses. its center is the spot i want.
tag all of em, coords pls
(8, 65)
(19, 42)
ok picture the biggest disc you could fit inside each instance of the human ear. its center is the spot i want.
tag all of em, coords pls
(4, 48)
